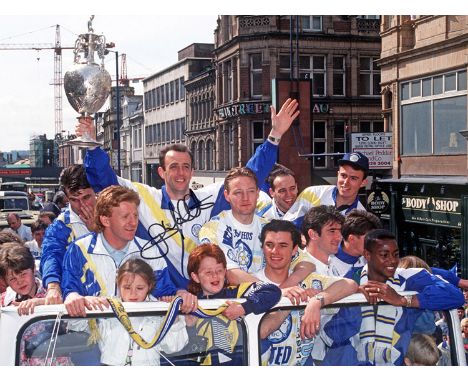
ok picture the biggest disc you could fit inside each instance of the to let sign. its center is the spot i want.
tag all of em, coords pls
(376, 146)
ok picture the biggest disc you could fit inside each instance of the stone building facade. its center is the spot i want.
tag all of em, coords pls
(328, 62)
(165, 105)
(424, 99)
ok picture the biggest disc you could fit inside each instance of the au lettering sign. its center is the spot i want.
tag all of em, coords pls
(430, 209)
(322, 108)
(244, 108)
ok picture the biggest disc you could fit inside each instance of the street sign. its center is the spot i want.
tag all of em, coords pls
(376, 146)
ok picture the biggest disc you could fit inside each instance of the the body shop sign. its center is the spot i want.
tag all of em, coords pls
(376, 146)
(432, 210)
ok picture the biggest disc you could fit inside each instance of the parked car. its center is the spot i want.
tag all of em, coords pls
(16, 201)
(28, 340)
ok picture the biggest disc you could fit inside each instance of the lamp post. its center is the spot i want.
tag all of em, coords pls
(117, 109)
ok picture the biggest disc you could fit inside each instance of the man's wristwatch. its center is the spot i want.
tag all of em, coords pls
(274, 140)
(321, 298)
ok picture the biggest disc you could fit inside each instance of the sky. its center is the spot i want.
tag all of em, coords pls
(150, 43)
(150, 33)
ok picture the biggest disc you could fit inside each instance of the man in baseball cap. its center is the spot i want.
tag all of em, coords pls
(356, 160)
(352, 175)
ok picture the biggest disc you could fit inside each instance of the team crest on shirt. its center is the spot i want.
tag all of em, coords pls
(196, 230)
(283, 332)
(243, 255)
(317, 284)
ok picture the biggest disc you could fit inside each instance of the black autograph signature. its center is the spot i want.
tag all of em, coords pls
(159, 233)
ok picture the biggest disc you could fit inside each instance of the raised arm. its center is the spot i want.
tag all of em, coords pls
(266, 154)
(54, 247)
(98, 170)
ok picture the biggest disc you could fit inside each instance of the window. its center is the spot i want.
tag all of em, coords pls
(182, 128)
(168, 94)
(369, 77)
(163, 95)
(146, 101)
(146, 135)
(314, 67)
(339, 134)
(461, 80)
(31, 339)
(284, 66)
(371, 126)
(163, 132)
(257, 134)
(150, 100)
(177, 89)
(417, 139)
(155, 133)
(319, 143)
(369, 17)
(430, 124)
(256, 75)
(209, 154)
(338, 75)
(201, 155)
(178, 134)
(193, 149)
(156, 97)
(449, 119)
(232, 146)
(168, 131)
(172, 90)
(158, 133)
(227, 81)
(182, 88)
(311, 23)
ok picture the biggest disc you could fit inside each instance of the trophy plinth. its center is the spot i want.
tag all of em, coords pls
(87, 84)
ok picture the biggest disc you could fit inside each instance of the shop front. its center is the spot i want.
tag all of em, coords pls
(429, 215)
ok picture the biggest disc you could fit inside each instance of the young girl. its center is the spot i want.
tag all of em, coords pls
(207, 270)
(135, 280)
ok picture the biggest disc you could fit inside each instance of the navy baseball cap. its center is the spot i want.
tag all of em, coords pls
(356, 159)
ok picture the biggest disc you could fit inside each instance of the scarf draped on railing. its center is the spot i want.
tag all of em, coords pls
(377, 334)
(168, 320)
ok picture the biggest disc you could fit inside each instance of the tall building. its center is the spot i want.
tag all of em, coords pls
(424, 99)
(130, 105)
(165, 105)
(327, 62)
(110, 131)
(136, 126)
(201, 126)
(42, 152)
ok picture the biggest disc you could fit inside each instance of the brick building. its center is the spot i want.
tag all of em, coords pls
(327, 62)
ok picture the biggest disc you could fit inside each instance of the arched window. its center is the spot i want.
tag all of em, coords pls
(201, 155)
(193, 148)
(209, 154)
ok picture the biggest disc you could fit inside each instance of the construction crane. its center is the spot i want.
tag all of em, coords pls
(58, 79)
(124, 80)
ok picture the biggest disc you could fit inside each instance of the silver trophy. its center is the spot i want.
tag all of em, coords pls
(87, 84)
